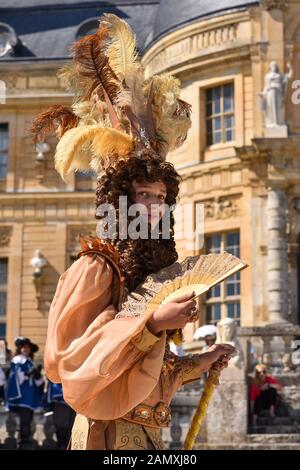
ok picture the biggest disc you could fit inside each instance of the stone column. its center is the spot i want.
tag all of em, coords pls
(277, 260)
(227, 414)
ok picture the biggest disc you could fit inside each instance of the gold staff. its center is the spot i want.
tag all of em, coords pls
(210, 385)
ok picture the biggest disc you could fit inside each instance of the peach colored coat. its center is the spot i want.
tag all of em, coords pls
(108, 365)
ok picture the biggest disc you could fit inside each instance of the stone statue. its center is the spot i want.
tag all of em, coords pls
(272, 100)
(226, 333)
(5, 44)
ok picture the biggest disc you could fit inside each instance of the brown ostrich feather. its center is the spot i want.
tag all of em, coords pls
(91, 64)
(56, 118)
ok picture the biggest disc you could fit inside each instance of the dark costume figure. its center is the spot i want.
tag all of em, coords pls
(25, 387)
(63, 415)
(5, 360)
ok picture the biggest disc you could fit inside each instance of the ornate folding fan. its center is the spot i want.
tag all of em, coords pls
(208, 271)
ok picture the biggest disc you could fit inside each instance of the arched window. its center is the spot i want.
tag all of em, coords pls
(89, 26)
(8, 39)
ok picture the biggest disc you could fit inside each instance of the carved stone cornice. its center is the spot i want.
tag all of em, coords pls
(5, 236)
(246, 152)
(284, 151)
(279, 157)
(274, 4)
(256, 162)
(263, 147)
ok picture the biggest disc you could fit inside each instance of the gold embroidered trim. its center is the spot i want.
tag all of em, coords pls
(153, 416)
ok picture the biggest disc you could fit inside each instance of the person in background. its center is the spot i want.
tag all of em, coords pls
(63, 415)
(263, 392)
(208, 333)
(2, 386)
(25, 387)
(3, 364)
(177, 349)
(6, 355)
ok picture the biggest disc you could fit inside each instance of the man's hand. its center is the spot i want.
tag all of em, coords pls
(218, 352)
(172, 315)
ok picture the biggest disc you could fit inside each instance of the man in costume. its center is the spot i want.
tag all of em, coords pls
(63, 415)
(25, 387)
(111, 355)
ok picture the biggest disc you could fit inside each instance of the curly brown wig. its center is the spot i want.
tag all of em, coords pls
(140, 257)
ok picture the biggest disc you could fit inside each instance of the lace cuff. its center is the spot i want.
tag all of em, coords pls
(192, 368)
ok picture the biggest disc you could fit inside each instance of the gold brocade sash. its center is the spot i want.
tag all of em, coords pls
(157, 416)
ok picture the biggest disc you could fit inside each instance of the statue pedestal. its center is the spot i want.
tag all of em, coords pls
(226, 420)
(276, 131)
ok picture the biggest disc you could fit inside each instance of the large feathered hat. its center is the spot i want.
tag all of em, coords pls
(116, 112)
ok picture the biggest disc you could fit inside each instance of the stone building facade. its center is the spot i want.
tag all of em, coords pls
(244, 181)
(244, 178)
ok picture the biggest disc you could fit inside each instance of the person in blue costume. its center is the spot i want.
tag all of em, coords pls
(25, 387)
(63, 415)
